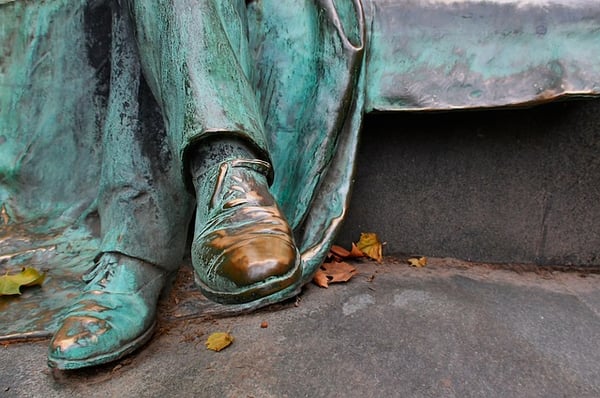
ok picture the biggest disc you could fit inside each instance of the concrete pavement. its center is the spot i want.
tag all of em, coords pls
(451, 329)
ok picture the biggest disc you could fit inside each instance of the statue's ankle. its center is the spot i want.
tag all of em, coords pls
(122, 259)
(212, 152)
(205, 161)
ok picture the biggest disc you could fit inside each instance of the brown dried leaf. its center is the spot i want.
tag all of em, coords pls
(356, 252)
(218, 341)
(339, 251)
(332, 273)
(370, 245)
(417, 262)
(338, 272)
(320, 279)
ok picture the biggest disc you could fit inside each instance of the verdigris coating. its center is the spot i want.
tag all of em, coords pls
(89, 93)
(175, 77)
(442, 55)
(106, 105)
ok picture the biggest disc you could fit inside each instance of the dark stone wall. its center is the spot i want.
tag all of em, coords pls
(510, 185)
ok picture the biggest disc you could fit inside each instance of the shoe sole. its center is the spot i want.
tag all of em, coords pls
(70, 364)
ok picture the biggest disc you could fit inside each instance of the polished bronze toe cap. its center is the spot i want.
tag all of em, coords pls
(258, 260)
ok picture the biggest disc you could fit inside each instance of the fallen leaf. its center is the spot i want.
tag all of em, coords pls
(355, 252)
(370, 245)
(339, 253)
(417, 262)
(218, 341)
(338, 272)
(11, 284)
(333, 273)
(320, 279)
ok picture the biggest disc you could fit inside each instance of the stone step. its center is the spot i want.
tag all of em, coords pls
(517, 185)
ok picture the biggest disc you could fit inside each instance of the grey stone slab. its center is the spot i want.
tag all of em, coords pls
(447, 330)
(520, 185)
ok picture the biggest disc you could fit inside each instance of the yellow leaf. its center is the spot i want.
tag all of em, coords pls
(370, 245)
(8, 286)
(218, 341)
(11, 284)
(418, 262)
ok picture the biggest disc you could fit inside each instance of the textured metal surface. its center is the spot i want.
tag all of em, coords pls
(83, 101)
(441, 54)
(63, 255)
(88, 101)
(243, 247)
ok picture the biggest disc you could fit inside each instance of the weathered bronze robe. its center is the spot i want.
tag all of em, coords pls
(93, 129)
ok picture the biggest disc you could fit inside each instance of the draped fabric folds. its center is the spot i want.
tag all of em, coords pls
(87, 163)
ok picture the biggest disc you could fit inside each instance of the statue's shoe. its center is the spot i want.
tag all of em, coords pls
(243, 250)
(114, 315)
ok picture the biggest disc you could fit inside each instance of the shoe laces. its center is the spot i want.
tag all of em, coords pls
(102, 271)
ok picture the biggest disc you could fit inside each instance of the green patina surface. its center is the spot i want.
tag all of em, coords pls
(49, 95)
(95, 127)
(439, 55)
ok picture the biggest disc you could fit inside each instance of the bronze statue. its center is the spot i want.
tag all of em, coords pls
(243, 250)
(246, 113)
(200, 110)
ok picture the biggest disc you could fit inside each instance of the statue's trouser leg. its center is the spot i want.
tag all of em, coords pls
(144, 206)
(197, 72)
(144, 209)
(194, 54)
